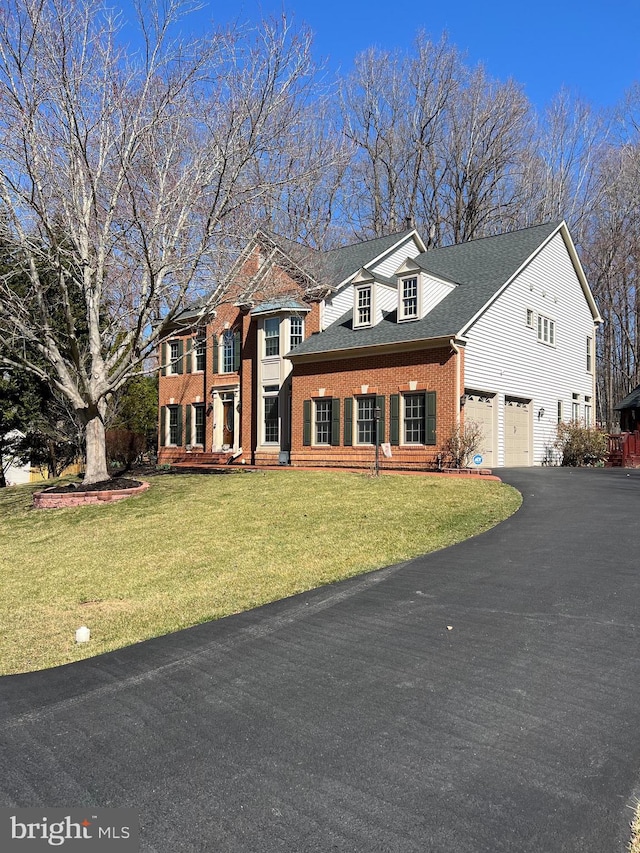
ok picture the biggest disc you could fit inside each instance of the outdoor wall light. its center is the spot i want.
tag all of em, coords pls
(463, 400)
(540, 413)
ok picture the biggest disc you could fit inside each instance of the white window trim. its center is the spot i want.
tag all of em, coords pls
(575, 408)
(172, 407)
(590, 354)
(356, 420)
(402, 317)
(356, 291)
(550, 340)
(530, 318)
(264, 338)
(314, 437)
(194, 354)
(403, 442)
(269, 395)
(194, 409)
(172, 360)
(290, 330)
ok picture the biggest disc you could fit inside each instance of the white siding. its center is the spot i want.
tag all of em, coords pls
(434, 290)
(390, 263)
(337, 305)
(386, 299)
(504, 356)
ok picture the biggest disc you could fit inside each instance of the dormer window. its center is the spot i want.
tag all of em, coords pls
(409, 298)
(363, 306)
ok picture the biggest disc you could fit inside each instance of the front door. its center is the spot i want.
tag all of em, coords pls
(227, 423)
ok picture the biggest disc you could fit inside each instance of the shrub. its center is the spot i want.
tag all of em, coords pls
(124, 447)
(462, 444)
(579, 445)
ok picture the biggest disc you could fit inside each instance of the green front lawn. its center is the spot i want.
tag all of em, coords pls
(195, 548)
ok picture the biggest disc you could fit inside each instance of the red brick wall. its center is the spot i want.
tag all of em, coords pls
(183, 389)
(385, 374)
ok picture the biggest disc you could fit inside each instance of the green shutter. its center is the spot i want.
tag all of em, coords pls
(394, 413)
(430, 409)
(215, 353)
(163, 360)
(179, 368)
(163, 425)
(189, 354)
(306, 423)
(236, 351)
(335, 422)
(188, 424)
(380, 401)
(179, 436)
(348, 421)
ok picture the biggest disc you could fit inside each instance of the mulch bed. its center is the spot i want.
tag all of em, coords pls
(115, 484)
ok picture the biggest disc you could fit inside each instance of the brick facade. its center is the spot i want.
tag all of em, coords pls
(383, 376)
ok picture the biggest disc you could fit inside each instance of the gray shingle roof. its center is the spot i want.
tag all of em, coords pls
(340, 263)
(479, 268)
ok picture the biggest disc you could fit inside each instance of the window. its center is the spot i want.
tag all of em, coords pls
(174, 425)
(587, 412)
(363, 306)
(175, 361)
(365, 420)
(228, 351)
(271, 416)
(529, 318)
(323, 422)
(414, 419)
(559, 411)
(296, 332)
(198, 423)
(200, 350)
(271, 337)
(546, 330)
(575, 407)
(589, 354)
(409, 299)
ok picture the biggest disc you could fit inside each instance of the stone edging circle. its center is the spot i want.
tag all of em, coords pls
(59, 500)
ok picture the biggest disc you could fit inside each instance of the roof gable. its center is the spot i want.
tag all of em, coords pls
(481, 269)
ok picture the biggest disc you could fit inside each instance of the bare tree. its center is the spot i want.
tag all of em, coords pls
(127, 176)
(488, 129)
(393, 108)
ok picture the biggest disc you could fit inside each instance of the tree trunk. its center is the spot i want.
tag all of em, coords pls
(96, 466)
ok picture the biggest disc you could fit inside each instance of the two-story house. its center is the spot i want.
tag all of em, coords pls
(315, 354)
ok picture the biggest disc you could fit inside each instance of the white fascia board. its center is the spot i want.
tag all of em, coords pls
(566, 236)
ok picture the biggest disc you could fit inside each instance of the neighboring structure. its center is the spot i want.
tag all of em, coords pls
(314, 351)
(629, 409)
(624, 449)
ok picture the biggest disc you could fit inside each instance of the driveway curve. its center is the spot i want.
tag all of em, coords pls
(482, 698)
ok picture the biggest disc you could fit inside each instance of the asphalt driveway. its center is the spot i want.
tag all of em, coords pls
(484, 698)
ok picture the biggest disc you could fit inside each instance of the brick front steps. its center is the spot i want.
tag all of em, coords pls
(60, 500)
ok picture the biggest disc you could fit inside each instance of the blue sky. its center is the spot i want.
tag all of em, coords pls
(592, 46)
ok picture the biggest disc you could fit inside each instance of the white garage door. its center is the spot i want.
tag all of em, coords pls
(517, 432)
(479, 409)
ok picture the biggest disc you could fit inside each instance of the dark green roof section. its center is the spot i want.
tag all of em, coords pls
(479, 268)
(631, 401)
